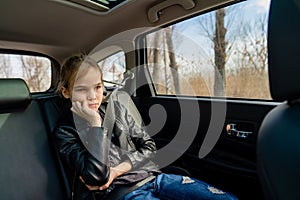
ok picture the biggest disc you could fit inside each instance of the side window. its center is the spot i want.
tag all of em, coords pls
(35, 70)
(222, 53)
(113, 68)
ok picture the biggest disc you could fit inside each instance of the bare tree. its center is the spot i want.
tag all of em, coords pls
(220, 53)
(173, 64)
(157, 58)
(5, 66)
(35, 72)
(215, 29)
(254, 51)
(249, 77)
(162, 55)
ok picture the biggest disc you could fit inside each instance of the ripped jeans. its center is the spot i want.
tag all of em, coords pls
(176, 187)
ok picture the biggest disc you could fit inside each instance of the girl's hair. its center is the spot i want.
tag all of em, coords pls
(72, 68)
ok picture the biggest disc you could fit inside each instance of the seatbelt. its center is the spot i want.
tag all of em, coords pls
(109, 118)
(123, 97)
(121, 191)
(108, 124)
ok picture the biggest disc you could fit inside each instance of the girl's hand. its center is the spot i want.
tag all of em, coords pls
(114, 173)
(82, 110)
(112, 176)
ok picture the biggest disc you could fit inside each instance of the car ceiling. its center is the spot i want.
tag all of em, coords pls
(60, 28)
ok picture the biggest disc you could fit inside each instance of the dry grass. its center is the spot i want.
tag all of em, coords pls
(246, 83)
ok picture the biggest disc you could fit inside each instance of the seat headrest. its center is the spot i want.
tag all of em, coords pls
(284, 49)
(14, 95)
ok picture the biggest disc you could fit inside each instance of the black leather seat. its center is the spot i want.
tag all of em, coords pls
(27, 167)
(278, 145)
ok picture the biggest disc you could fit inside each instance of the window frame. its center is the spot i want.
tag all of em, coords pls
(141, 42)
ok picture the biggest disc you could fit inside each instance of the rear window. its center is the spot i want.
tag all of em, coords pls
(35, 70)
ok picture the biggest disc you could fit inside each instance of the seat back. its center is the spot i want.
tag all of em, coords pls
(52, 108)
(27, 167)
(278, 145)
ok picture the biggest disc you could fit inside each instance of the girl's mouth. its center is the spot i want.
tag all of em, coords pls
(93, 105)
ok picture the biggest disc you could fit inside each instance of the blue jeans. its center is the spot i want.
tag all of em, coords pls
(176, 187)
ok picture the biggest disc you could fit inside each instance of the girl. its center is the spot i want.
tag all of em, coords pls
(117, 166)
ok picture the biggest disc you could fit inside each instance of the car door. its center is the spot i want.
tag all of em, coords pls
(202, 90)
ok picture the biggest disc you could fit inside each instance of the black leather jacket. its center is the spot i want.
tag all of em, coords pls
(74, 137)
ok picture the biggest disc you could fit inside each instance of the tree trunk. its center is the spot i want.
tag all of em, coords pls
(173, 63)
(220, 53)
(157, 61)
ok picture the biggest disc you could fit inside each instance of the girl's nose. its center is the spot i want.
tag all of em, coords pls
(91, 95)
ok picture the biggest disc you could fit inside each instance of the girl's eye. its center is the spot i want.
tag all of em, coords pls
(98, 87)
(80, 89)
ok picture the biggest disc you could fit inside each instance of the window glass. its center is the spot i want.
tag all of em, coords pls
(222, 53)
(113, 68)
(35, 70)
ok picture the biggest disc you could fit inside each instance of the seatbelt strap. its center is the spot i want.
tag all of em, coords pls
(109, 118)
(123, 98)
(121, 191)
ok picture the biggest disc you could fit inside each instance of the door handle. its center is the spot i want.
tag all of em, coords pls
(231, 130)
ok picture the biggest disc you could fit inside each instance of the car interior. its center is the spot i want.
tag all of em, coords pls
(248, 147)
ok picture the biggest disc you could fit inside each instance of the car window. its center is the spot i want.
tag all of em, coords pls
(35, 70)
(113, 68)
(222, 53)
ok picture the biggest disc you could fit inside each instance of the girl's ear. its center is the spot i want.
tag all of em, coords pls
(65, 93)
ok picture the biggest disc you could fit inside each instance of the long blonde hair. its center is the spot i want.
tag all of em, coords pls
(72, 68)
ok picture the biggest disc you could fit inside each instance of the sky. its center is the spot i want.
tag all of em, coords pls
(263, 5)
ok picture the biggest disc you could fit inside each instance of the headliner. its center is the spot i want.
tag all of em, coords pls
(60, 28)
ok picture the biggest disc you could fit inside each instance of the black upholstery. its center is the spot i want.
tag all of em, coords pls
(52, 108)
(283, 49)
(27, 167)
(278, 145)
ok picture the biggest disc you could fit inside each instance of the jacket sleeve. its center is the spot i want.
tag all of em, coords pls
(144, 146)
(78, 158)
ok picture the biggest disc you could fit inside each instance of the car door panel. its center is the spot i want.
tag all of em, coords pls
(232, 159)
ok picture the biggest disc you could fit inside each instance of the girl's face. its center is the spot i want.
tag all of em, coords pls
(88, 87)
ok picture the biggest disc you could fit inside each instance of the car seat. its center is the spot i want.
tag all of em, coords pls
(278, 145)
